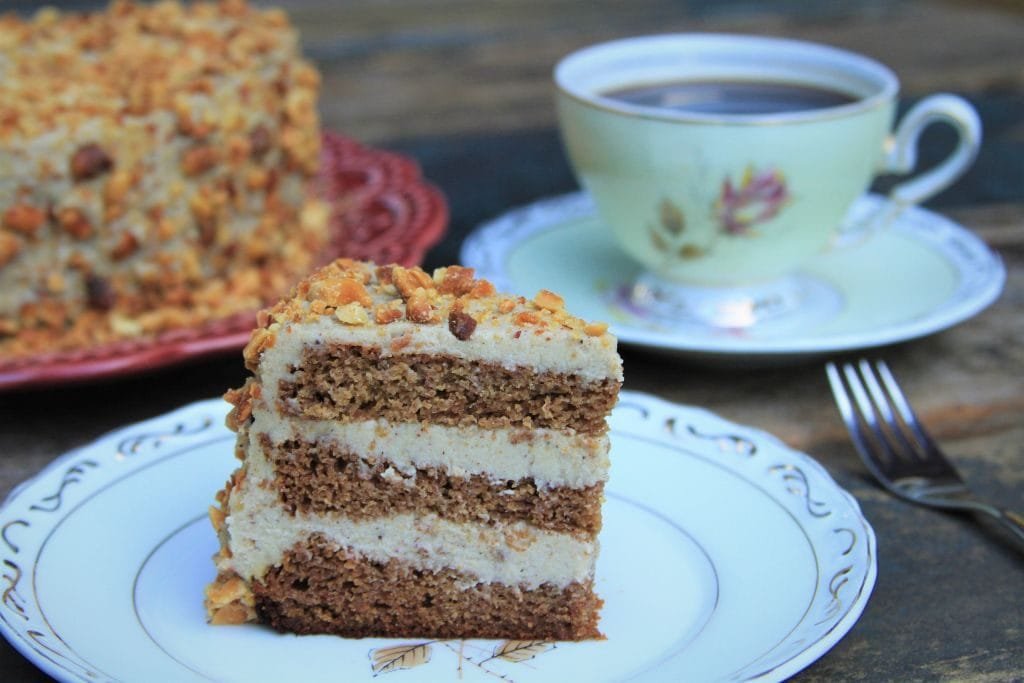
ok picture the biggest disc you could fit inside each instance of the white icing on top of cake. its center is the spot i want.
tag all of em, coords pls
(539, 350)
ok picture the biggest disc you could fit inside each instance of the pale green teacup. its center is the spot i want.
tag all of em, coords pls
(713, 200)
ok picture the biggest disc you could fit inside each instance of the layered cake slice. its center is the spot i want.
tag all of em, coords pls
(421, 457)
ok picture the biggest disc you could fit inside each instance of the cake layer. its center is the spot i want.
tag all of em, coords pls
(516, 554)
(551, 459)
(322, 478)
(320, 587)
(346, 383)
(497, 338)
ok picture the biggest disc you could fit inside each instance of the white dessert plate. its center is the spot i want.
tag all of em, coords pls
(922, 274)
(725, 556)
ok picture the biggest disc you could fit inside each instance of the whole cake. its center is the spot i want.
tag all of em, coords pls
(155, 167)
(421, 456)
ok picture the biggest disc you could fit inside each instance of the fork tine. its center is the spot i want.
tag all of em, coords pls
(885, 402)
(871, 456)
(860, 397)
(903, 407)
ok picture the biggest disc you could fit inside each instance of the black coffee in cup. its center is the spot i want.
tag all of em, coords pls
(731, 97)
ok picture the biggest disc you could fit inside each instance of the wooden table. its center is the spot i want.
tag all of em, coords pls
(464, 87)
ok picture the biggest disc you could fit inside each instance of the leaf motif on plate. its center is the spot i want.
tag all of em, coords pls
(521, 650)
(398, 657)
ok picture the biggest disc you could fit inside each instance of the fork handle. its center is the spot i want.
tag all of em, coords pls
(1012, 521)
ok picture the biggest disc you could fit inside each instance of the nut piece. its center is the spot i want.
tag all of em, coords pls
(98, 293)
(341, 292)
(259, 142)
(24, 218)
(387, 313)
(418, 308)
(9, 248)
(125, 247)
(482, 289)
(461, 325)
(198, 160)
(595, 329)
(350, 291)
(74, 222)
(456, 280)
(408, 280)
(89, 162)
(352, 314)
(528, 318)
(549, 301)
(117, 187)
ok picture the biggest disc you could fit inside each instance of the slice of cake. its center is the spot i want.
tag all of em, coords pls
(421, 457)
(156, 163)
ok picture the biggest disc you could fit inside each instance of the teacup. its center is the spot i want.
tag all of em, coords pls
(738, 188)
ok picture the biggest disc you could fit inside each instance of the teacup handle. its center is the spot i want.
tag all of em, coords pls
(900, 156)
(901, 152)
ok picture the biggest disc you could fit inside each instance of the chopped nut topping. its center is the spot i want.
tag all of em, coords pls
(352, 314)
(90, 161)
(217, 518)
(74, 222)
(388, 313)
(55, 282)
(98, 293)
(457, 281)
(260, 341)
(506, 305)
(227, 75)
(24, 218)
(117, 187)
(125, 247)
(528, 318)
(384, 274)
(418, 308)
(341, 292)
(461, 325)
(260, 142)
(199, 160)
(257, 178)
(9, 247)
(549, 301)
(408, 280)
(242, 400)
(595, 329)
(482, 289)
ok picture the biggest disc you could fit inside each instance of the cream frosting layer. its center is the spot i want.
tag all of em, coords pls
(511, 554)
(550, 458)
(542, 350)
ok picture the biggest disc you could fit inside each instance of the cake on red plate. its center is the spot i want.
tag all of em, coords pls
(155, 170)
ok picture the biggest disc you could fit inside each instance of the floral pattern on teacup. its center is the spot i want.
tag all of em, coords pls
(666, 231)
(758, 197)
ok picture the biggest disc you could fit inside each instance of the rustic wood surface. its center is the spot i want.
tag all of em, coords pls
(464, 87)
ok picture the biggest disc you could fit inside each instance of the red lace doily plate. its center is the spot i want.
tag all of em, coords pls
(384, 211)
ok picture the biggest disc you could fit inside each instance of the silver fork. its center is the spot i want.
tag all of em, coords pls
(895, 447)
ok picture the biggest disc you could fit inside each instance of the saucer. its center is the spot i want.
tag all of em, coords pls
(922, 274)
